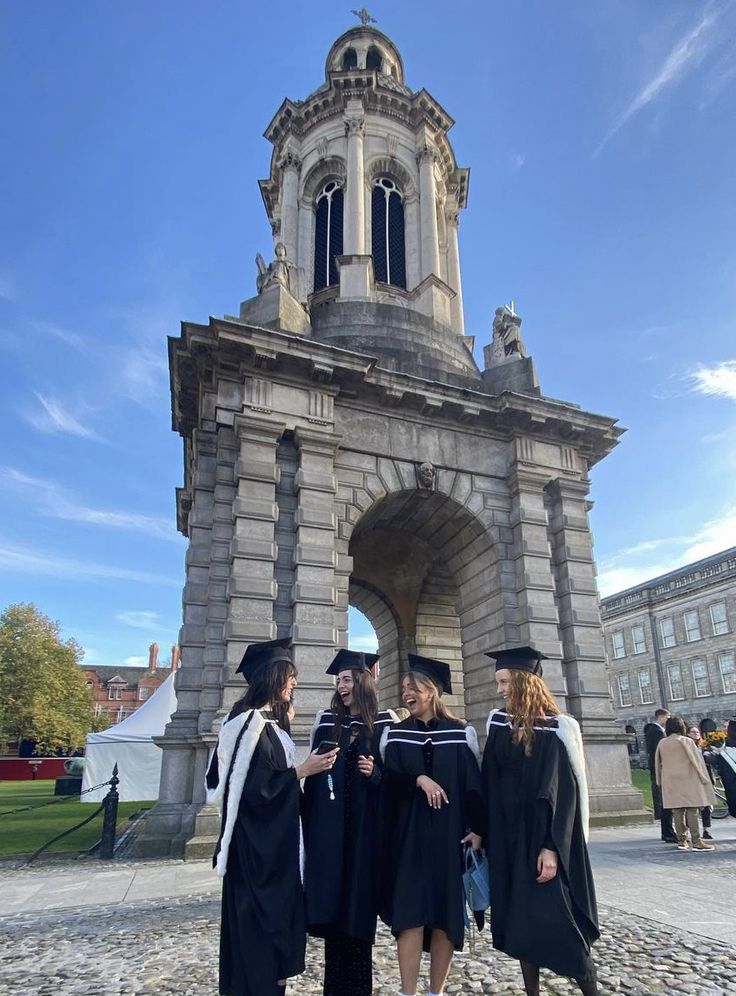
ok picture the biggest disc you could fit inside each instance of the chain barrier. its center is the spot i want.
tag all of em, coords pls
(53, 802)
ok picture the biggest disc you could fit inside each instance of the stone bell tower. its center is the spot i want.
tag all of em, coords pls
(342, 448)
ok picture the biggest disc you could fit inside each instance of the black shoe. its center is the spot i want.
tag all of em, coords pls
(707, 835)
(669, 840)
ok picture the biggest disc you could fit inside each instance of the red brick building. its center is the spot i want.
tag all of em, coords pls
(119, 691)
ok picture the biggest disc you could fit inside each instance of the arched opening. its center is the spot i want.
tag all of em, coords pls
(425, 574)
(361, 634)
(350, 59)
(373, 60)
(387, 232)
(327, 234)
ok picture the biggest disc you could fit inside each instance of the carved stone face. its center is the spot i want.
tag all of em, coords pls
(426, 474)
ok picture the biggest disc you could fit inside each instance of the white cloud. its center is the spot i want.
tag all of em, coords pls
(367, 643)
(140, 620)
(57, 503)
(58, 332)
(54, 418)
(621, 571)
(135, 661)
(144, 375)
(17, 559)
(688, 51)
(722, 74)
(718, 380)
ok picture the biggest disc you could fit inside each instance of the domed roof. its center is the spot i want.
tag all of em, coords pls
(364, 47)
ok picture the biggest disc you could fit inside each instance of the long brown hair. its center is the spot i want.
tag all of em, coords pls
(365, 698)
(529, 700)
(265, 692)
(420, 680)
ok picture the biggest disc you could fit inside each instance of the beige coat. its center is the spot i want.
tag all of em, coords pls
(682, 774)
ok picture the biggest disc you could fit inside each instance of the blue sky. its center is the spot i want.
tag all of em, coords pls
(602, 147)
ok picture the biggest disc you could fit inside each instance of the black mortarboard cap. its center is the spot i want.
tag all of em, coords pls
(351, 660)
(260, 655)
(519, 659)
(438, 671)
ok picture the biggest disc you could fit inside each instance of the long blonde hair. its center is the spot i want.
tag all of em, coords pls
(419, 680)
(529, 700)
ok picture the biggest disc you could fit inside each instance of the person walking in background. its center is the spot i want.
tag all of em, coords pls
(653, 733)
(341, 813)
(683, 779)
(725, 762)
(433, 806)
(706, 813)
(543, 906)
(254, 781)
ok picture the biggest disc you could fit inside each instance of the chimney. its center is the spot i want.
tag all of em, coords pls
(153, 657)
(175, 657)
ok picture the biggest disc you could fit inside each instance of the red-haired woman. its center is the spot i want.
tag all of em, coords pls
(543, 908)
(340, 815)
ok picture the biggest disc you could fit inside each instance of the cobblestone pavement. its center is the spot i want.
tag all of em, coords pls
(164, 947)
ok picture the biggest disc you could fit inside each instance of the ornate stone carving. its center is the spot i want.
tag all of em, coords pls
(279, 271)
(391, 145)
(427, 153)
(507, 343)
(426, 476)
(322, 147)
(290, 160)
(354, 126)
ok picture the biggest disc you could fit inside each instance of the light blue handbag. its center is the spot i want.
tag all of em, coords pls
(476, 882)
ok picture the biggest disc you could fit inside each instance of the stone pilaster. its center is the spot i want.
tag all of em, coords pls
(426, 157)
(454, 278)
(314, 596)
(291, 165)
(584, 661)
(354, 218)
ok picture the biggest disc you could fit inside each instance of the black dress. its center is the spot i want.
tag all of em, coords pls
(341, 845)
(535, 802)
(423, 850)
(262, 934)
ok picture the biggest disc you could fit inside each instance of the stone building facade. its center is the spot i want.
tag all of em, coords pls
(342, 447)
(670, 643)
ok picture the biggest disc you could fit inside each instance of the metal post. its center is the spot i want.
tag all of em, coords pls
(110, 818)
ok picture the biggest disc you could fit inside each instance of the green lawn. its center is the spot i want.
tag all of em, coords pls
(641, 781)
(24, 832)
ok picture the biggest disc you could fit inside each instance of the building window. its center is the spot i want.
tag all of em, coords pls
(645, 686)
(674, 677)
(700, 677)
(718, 619)
(350, 59)
(373, 59)
(143, 694)
(727, 668)
(692, 625)
(667, 632)
(327, 234)
(624, 689)
(387, 227)
(638, 639)
(617, 642)
(114, 693)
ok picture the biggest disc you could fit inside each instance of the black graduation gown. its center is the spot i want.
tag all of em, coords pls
(341, 835)
(262, 934)
(728, 777)
(422, 850)
(534, 802)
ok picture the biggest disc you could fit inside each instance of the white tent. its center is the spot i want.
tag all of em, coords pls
(130, 745)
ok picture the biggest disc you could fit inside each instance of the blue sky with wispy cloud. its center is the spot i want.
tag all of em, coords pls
(601, 142)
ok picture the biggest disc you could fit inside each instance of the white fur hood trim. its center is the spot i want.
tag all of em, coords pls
(233, 772)
(568, 731)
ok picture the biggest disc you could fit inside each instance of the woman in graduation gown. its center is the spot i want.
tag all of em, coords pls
(543, 908)
(724, 761)
(433, 806)
(340, 813)
(253, 780)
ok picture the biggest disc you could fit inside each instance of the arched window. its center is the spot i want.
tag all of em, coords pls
(373, 59)
(327, 234)
(350, 59)
(387, 222)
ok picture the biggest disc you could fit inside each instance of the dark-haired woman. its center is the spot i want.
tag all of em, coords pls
(543, 908)
(254, 780)
(725, 764)
(341, 818)
(433, 807)
(684, 781)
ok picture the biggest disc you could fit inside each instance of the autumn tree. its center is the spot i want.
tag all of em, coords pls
(43, 695)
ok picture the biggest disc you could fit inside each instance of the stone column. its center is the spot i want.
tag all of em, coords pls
(354, 215)
(584, 657)
(290, 165)
(412, 240)
(453, 271)
(314, 597)
(426, 157)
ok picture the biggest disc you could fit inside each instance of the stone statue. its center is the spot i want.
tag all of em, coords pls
(507, 343)
(426, 476)
(278, 271)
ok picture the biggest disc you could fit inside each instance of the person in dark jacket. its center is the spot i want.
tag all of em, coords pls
(543, 907)
(341, 814)
(254, 780)
(433, 807)
(653, 733)
(725, 764)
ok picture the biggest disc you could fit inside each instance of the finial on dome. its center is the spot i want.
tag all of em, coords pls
(364, 17)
